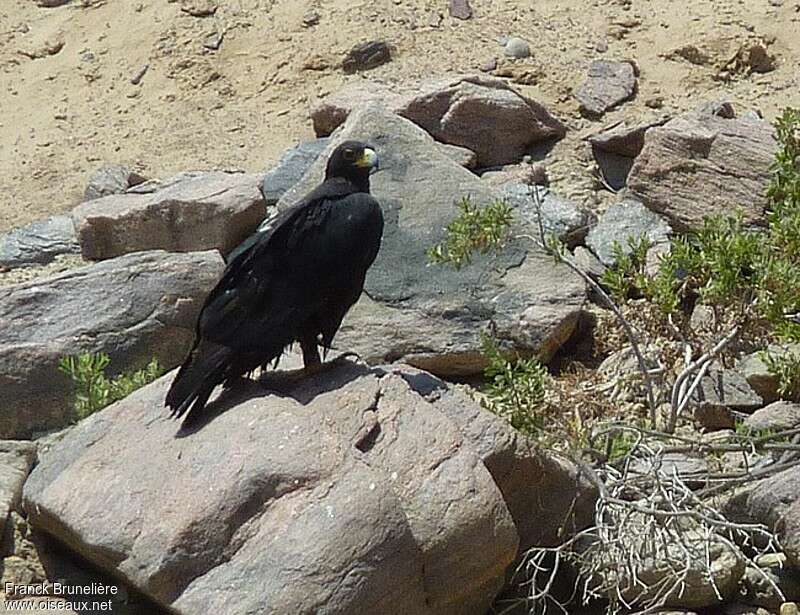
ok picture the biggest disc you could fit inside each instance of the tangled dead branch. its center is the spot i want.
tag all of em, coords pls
(654, 542)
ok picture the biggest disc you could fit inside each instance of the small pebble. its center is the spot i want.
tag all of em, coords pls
(517, 48)
(213, 41)
(310, 19)
(489, 66)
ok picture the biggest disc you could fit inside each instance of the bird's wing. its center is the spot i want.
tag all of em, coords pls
(273, 285)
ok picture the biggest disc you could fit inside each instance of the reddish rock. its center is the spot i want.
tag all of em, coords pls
(607, 85)
(198, 211)
(479, 112)
(700, 164)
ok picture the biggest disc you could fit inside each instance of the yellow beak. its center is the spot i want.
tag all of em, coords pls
(369, 159)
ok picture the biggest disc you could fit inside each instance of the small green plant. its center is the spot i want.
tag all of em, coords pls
(627, 274)
(475, 229)
(94, 390)
(620, 444)
(516, 388)
(786, 369)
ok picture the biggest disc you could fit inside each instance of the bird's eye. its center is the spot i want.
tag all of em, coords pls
(349, 154)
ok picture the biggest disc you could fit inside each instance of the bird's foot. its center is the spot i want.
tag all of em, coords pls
(285, 381)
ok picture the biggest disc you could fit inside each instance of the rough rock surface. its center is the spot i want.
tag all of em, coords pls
(758, 584)
(365, 56)
(200, 211)
(483, 114)
(699, 164)
(133, 308)
(755, 370)
(111, 179)
(358, 491)
(38, 243)
(774, 502)
(727, 388)
(615, 148)
(16, 461)
(623, 138)
(290, 169)
(777, 416)
(621, 221)
(766, 500)
(431, 317)
(608, 84)
(561, 217)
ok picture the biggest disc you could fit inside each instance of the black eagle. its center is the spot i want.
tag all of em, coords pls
(293, 282)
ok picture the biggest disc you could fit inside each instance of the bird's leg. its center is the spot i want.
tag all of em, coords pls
(311, 360)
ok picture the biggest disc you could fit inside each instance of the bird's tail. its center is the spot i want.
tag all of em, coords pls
(202, 370)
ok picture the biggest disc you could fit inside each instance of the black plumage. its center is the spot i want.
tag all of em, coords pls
(293, 282)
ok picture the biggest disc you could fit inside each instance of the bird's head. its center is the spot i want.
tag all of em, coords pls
(352, 160)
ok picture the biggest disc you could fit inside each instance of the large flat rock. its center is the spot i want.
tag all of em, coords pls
(196, 211)
(134, 308)
(358, 491)
(700, 164)
(432, 316)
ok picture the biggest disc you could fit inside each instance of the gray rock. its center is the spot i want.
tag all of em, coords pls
(365, 56)
(698, 165)
(203, 211)
(765, 501)
(788, 530)
(719, 108)
(134, 308)
(461, 155)
(290, 168)
(758, 584)
(38, 243)
(353, 475)
(521, 173)
(727, 388)
(16, 460)
(615, 148)
(588, 262)
(213, 41)
(460, 9)
(516, 47)
(431, 317)
(607, 85)
(560, 216)
(111, 179)
(755, 370)
(51, 3)
(621, 221)
(479, 112)
(693, 469)
(777, 416)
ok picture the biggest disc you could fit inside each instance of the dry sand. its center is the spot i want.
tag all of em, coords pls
(68, 105)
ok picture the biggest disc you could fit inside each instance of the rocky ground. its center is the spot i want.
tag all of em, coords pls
(602, 122)
(199, 84)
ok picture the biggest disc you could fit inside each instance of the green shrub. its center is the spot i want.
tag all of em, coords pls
(515, 389)
(627, 274)
(786, 369)
(94, 390)
(475, 229)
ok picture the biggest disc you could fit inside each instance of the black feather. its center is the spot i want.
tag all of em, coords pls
(293, 282)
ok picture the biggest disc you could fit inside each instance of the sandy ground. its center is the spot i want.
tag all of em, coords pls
(67, 103)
